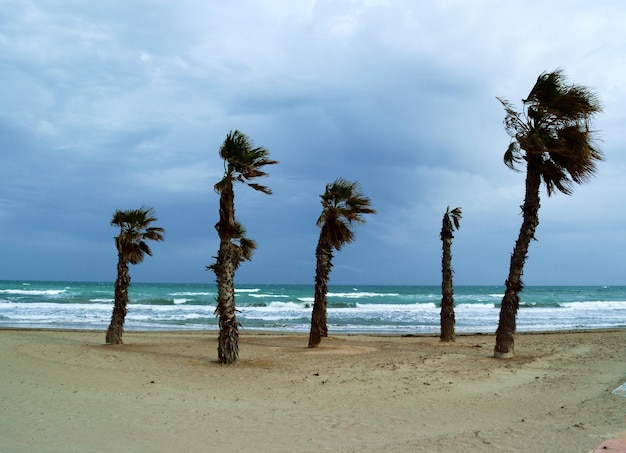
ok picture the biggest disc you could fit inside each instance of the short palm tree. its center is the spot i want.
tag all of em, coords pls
(132, 247)
(242, 162)
(553, 137)
(343, 203)
(451, 222)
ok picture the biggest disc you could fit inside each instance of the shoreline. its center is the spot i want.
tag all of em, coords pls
(65, 390)
(244, 331)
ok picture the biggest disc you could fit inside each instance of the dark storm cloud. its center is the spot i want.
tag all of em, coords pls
(122, 104)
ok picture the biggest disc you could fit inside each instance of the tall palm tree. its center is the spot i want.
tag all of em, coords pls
(451, 222)
(131, 248)
(243, 163)
(553, 136)
(343, 203)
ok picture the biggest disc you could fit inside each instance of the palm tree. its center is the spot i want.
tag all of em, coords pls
(243, 163)
(553, 136)
(131, 248)
(451, 222)
(343, 203)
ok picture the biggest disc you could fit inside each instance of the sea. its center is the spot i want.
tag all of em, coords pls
(363, 309)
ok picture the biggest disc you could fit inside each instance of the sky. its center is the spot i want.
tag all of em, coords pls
(122, 104)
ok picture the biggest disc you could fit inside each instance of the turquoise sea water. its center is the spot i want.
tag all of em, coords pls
(287, 308)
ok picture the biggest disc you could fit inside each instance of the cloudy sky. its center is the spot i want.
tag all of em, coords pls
(118, 104)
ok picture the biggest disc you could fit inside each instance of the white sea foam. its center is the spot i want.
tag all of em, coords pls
(595, 305)
(361, 294)
(278, 306)
(473, 307)
(395, 307)
(33, 292)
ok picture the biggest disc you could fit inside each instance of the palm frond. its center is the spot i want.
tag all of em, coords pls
(261, 188)
(145, 248)
(243, 246)
(513, 123)
(246, 248)
(221, 184)
(553, 96)
(512, 156)
(456, 216)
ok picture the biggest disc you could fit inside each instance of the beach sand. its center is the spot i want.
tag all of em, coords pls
(65, 391)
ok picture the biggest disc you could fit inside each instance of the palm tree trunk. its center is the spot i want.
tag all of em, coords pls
(319, 324)
(226, 224)
(228, 340)
(447, 293)
(116, 328)
(505, 334)
(224, 268)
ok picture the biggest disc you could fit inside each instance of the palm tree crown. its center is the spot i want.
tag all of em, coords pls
(451, 221)
(243, 161)
(134, 231)
(343, 203)
(554, 132)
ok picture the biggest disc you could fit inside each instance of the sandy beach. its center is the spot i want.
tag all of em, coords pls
(65, 391)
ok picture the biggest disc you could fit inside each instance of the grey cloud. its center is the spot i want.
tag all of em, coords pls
(117, 104)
